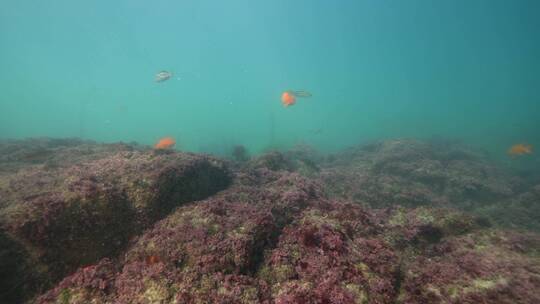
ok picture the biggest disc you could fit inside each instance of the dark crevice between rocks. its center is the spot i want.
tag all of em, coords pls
(196, 184)
(428, 235)
(76, 240)
(400, 276)
(257, 254)
(266, 242)
(17, 281)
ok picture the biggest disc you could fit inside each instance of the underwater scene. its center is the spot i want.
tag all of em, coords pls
(284, 151)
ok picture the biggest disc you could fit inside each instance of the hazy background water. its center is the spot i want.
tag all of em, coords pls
(466, 69)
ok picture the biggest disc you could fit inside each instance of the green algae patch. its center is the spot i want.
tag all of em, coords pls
(279, 273)
(399, 217)
(65, 296)
(155, 292)
(358, 292)
(476, 286)
(425, 216)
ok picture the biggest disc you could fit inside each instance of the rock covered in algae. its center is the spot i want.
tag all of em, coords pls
(482, 267)
(332, 253)
(301, 159)
(423, 226)
(273, 237)
(413, 173)
(55, 152)
(72, 215)
(207, 252)
(521, 211)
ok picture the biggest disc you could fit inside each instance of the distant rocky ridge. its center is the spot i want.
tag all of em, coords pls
(413, 173)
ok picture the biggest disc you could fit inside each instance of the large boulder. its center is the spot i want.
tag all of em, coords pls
(72, 215)
(208, 252)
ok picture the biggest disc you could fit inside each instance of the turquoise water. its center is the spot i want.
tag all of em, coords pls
(377, 69)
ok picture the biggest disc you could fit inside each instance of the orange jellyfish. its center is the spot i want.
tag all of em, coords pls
(288, 98)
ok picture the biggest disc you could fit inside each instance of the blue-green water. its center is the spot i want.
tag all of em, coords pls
(466, 69)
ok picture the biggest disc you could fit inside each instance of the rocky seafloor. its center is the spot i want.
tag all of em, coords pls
(398, 221)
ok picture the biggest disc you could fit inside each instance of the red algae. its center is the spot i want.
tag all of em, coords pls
(77, 213)
(286, 227)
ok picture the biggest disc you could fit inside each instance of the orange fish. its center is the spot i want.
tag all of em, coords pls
(288, 98)
(165, 143)
(520, 149)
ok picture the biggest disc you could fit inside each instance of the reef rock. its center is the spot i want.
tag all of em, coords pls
(378, 224)
(412, 173)
(287, 244)
(71, 215)
(206, 252)
(481, 267)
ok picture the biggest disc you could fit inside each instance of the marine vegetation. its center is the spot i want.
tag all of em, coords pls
(379, 223)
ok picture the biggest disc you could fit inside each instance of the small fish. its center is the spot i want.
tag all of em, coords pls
(288, 98)
(520, 149)
(163, 76)
(303, 94)
(165, 143)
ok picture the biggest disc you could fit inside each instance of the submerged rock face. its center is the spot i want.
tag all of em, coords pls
(481, 267)
(54, 153)
(521, 211)
(69, 216)
(17, 274)
(209, 252)
(332, 253)
(412, 173)
(251, 246)
(280, 228)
